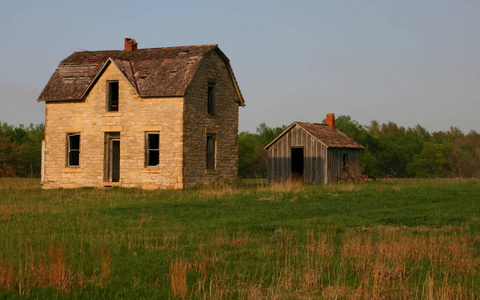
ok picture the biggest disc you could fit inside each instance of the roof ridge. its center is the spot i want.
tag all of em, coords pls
(120, 58)
(143, 49)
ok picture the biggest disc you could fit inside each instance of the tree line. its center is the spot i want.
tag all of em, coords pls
(21, 150)
(390, 150)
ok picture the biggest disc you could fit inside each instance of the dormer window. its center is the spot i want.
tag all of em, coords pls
(112, 95)
(211, 98)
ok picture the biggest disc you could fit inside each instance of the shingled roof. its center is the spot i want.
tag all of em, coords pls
(328, 136)
(153, 72)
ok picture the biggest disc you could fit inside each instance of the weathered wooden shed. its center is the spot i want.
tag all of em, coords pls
(313, 153)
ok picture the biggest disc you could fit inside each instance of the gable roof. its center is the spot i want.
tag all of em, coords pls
(153, 72)
(328, 136)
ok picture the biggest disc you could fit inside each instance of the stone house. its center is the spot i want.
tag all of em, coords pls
(313, 153)
(149, 118)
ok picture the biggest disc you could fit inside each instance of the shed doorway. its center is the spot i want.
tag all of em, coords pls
(113, 157)
(297, 164)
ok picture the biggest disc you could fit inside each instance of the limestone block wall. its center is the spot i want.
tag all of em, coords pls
(135, 116)
(197, 122)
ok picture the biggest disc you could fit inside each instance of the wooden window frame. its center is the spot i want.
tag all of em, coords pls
(73, 151)
(149, 150)
(211, 109)
(113, 95)
(211, 153)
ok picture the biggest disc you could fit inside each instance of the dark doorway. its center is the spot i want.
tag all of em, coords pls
(297, 163)
(113, 157)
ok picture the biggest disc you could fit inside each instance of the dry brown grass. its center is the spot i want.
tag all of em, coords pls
(105, 262)
(11, 210)
(344, 187)
(16, 183)
(6, 275)
(231, 241)
(383, 259)
(427, 180)
(48, 267)
(288, 186)
(219, 189)
(57, 272)
(441, 249)
(178, 277)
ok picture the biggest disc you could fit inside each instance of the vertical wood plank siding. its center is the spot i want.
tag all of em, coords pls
(321, 165)
(280, 161)
(335, 163)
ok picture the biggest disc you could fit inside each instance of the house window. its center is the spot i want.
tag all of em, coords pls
(210, 151)
(345, 156)
(211, 98)
(112, 95)
(152, 153)
(73, 150)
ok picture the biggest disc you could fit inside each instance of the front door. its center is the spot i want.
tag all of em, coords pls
(113, 157)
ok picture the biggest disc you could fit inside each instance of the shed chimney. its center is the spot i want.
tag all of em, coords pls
(331, 120)
(130, 44)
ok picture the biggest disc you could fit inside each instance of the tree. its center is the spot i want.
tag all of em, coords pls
(20, 149)
(397, 150)
(252, 158)
(431, 162)
(373, 128)
(390, 127)
(421, 132)
(352, 129)
(12, 158)
(464, 157)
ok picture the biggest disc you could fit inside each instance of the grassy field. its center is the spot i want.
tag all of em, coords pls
(380, 240)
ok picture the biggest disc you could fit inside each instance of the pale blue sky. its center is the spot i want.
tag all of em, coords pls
(410, 62)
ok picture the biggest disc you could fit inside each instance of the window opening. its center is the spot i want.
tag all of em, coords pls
(211, 98)
(73, 150)
(210, 151)
(112, 95)
(152, 158)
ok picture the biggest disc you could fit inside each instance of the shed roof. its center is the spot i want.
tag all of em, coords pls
(328, 136)
(152, 72)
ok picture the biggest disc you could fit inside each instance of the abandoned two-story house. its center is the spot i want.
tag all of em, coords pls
(149, 118)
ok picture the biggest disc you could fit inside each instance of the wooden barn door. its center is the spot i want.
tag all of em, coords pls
(298, 166)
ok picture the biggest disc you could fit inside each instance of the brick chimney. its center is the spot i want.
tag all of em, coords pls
(331, 120)
(130, 44)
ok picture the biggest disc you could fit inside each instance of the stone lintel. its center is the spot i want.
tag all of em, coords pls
(152, 128)
(72, 129)
(112, 128)
(211, 129)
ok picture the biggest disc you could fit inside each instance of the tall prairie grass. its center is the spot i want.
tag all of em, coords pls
(18, 183)
(380, 240)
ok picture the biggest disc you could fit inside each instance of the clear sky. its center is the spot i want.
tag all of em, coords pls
(410, 61)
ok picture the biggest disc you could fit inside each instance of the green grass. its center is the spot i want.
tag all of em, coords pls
(393, 239)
